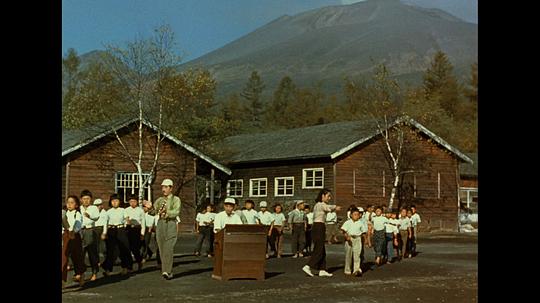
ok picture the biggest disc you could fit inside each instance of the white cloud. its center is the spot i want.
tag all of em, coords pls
(350, 1)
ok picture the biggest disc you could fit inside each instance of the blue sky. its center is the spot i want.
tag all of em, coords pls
(200, 25)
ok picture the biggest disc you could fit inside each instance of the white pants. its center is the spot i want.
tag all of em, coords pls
(354, 254)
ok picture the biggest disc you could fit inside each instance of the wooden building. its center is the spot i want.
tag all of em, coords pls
(468, 189)
(350, 159)
(93, 159)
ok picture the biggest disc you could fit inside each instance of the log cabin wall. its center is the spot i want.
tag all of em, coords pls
(94, 167)
(270, 171)
(432, 184)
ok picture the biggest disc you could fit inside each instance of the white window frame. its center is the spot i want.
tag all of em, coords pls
(127, 181)
(251, 187)
(304, 177)
(241, 181)
(285, 188)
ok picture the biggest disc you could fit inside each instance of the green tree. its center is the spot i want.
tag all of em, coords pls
(232, 113)
(283, 96)
(252, 94)
(440, 83)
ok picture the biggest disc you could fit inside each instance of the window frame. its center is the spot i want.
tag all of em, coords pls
(291, 178)
(259, 190)
(304, 177)
(236, 187)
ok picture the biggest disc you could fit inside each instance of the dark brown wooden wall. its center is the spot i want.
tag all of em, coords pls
(281, 170)
(94, 168)
(368, 163)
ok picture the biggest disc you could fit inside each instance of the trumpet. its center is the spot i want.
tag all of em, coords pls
(162, 210)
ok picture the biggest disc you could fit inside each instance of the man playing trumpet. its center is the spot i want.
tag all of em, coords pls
(167, 208)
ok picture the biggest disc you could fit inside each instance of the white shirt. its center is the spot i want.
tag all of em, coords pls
(265, 218)
(136, 217)
(149, 220)
(279, 219)
(93, 211)
(404, 223)
(250, 215)
(74, 219)
(415, 219)
(379, 222)
(206, 217)
(309, 218)
(354, 228)
(331, 218)
(116, 216)
(223, 219)
(102, 221)
(392, 226)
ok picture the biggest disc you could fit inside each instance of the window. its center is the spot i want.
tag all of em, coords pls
(217, 188)
(235, 188)
(257, 187)
(313, 178)
(127, 184)
(284, 187)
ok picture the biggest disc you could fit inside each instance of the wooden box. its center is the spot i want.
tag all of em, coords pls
(240, 252)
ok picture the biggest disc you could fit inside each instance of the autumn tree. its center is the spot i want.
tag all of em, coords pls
(140, 80)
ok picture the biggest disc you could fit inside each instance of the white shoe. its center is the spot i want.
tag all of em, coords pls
(295, 256)
(307, 270)
(324, 273)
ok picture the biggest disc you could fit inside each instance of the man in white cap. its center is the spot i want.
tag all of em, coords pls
(227, 216)
(167, 208)
(266, 218)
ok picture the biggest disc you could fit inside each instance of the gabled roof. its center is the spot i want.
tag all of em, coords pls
(73, 140)
(322, 141)
(468, 169)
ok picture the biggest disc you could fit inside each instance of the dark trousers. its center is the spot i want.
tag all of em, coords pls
(317, 260)
(270, 240)
(146, 249)
(90, 246)
(308, 238)
(298, 240)
(72, 248)
(379, 242)
(117, 239)
(100, 243)
(206, 234)
(135, 242)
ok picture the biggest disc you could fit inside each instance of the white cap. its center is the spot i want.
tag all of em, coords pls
(230, 201)
(299, 202)
(167, 182)
(361, 209)
(262, 204)
(98, 201)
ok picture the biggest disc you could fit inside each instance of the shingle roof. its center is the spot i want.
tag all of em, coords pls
(73, 140)
(327, 140)
(468, 169)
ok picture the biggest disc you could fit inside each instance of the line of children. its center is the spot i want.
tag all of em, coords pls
(71, 241)
(267, 218)
(298, 221)
(353, 230)
(277, 230)
(90, 214)
(204, 224)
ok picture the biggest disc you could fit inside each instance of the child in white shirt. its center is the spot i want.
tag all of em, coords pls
(353, 229)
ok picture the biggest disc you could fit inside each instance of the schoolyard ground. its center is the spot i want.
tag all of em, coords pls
(445, 270)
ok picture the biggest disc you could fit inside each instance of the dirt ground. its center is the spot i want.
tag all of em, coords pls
(445, 270)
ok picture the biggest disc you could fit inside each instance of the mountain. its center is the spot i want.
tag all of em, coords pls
(327, 44)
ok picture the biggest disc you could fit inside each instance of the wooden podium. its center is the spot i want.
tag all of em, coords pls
(240, 252)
